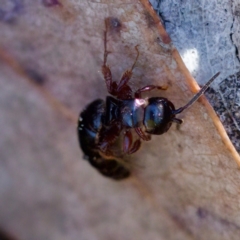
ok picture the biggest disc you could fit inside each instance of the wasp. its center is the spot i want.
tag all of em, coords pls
(103, 124)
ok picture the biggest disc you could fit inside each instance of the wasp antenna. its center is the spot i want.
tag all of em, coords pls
(197, 96)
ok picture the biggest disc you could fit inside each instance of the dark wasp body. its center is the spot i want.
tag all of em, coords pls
(102, 123)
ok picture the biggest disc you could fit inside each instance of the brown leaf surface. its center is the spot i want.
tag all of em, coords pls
(185, 183)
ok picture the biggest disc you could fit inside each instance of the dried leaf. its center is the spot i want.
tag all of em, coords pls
(185, 182)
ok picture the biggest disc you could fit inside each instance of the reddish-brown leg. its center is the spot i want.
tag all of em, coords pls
(111, 86)
(128, 147)
(125, 93)
(121, 90)
(142, 135)
(128, 74)
(135, 147)
(108, 78)
(127, 141)
(107, 136)
(147, 89)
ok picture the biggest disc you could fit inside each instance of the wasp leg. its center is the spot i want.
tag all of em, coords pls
(107, 136)
(111, 86)
(128, 74)
(147, 89)
(123, 90)
(128, 147)
(142, 135)
(177, 120)
(135, 147)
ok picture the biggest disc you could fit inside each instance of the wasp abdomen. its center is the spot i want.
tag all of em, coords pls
(89, 124)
